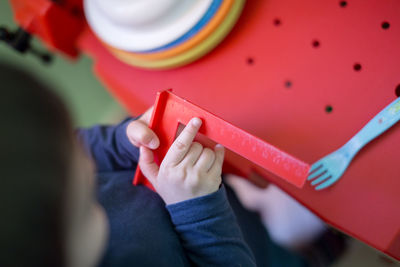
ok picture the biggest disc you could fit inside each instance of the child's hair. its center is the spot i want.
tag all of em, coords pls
(35, 152)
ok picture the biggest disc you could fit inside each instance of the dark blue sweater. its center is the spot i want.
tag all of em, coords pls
(144, 232)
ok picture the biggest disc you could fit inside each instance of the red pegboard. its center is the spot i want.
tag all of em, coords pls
(288, 74)
(306, 76)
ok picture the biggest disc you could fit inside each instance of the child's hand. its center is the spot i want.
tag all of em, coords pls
(187, 171)
(139, 133)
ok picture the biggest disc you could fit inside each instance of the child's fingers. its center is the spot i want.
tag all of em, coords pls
(216, 168)
(182, 143)
(147, 165)
(139, 134)
(206, 160)
(193, 154)
(249, 195)
(146, 116)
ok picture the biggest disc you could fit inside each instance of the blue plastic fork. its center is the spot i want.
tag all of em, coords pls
(330, 168)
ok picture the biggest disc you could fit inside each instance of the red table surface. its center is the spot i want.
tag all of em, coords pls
(245, 81)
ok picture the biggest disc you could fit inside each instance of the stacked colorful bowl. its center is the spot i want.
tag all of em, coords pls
(161, 34)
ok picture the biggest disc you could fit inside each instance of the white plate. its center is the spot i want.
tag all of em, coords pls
(140, 25)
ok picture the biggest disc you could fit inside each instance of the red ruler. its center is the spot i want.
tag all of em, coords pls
(171, 111)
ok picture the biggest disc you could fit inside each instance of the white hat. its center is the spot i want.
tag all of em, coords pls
(142, 25)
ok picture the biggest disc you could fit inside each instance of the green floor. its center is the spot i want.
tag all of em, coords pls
(88, 101)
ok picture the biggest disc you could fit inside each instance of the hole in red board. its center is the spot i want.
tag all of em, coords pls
(277, 22)
(385, 25)
(328, 109)
(343, 3)
(250, 60)
(397, 91)
(357, 67)
(316, 43)
(288, 84)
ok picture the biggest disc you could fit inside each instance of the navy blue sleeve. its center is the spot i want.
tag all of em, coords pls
(110, 147)
(209, 231)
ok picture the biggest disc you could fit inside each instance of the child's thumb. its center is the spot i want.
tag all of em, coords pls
(139, 134)
(147, 165)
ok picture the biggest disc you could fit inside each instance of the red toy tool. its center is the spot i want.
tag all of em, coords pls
(58, 23)
(170, 111)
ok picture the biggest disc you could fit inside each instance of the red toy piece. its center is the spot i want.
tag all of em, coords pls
(170, 110)
(58, 25)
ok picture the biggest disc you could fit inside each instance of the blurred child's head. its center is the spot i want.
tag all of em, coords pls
(49, 213)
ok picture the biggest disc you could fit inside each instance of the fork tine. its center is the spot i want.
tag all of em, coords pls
(327, 183)
(320, 179)
(317, 173)
(315, 166)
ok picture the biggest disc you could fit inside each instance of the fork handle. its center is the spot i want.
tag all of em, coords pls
(379, 124)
